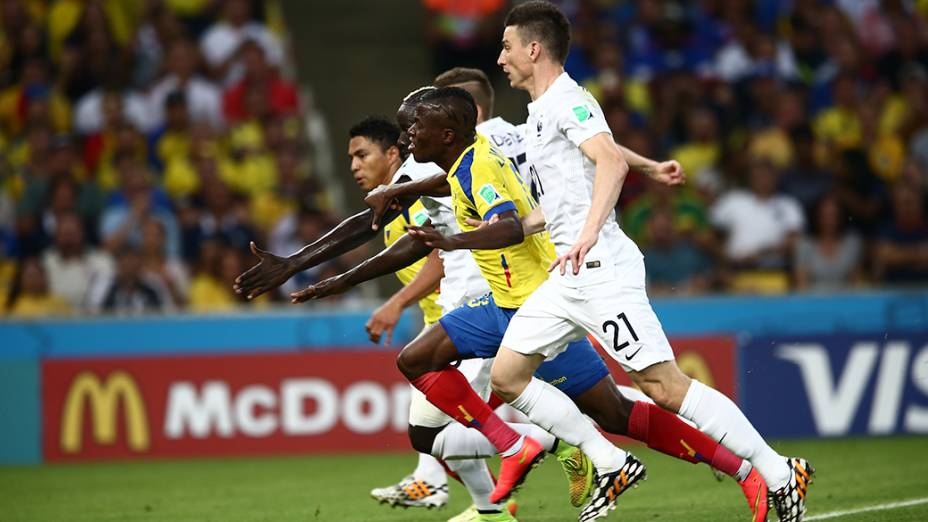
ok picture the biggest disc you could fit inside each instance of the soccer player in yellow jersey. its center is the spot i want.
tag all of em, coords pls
(483, 184)
(476, 329)
(376, 160)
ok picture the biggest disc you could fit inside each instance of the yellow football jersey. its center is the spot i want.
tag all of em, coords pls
(415, 215)
(483, 184)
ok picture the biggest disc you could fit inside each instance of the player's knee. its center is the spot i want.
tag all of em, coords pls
(422, 439)
(409, 363)
(661, 394)
(502, 387)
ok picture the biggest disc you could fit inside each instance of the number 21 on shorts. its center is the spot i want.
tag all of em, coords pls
(617, 333)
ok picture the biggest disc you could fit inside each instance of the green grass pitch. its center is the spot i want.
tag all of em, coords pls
(852, 473)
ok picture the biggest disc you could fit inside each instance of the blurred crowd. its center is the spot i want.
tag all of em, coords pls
(803, 127)
(143, 145)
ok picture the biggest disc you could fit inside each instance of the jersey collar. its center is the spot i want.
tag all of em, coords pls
(457, 163)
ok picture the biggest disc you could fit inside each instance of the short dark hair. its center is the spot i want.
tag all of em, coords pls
(543, 22)
(483, 91)
(458, 106)
(377, 129)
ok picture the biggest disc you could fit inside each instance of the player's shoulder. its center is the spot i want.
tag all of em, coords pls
(414, 170)
(495, 125)
(568, 97)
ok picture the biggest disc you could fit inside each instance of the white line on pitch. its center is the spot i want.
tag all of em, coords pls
(867, 509)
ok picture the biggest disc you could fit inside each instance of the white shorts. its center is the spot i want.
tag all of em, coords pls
(424, 413)
(616, 312)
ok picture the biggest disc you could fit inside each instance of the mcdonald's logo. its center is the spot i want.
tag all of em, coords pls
(104, 399)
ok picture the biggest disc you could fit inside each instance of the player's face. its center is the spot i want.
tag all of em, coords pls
(425, 135)
(369, 163)
(514, 57)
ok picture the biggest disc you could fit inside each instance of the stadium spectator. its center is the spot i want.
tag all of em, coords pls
(130, 291)
(702, 150)
(221, 42)
(171, 141)
(29, 296)
(262, 78)
(804, 179)
(204, 99)
(104, 107)
(674, 265)
(159, 28)
(34, 100)
(169, 271)
(760, 227)
(128, 207)
(830, 256)
(211, 288)
(862, 194)
(72, 265)
(688, 214)
(902, 247)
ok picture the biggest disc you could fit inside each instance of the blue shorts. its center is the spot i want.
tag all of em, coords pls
(477, 329)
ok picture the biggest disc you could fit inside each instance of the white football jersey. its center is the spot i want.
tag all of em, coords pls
(463, 280)
(561, 119)
(506, 137)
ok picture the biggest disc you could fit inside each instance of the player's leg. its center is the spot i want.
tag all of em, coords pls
(470, 468)
(719, 417)
(622, 320)
(464, 333)
(539, 330)
(426, 362)
(429, 477)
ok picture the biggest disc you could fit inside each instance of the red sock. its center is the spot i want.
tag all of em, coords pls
(450, 392)
(494, 401)
(665, 432)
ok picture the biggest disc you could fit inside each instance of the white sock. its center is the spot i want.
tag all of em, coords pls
(744, 470)
(719, 418)
(457, 441)
(555, 413)
(430, 470)
(477, 480)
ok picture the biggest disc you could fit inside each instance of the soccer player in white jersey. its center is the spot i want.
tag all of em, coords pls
(461, 282)
(598, 281)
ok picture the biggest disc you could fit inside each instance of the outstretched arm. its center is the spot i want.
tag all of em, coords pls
(381, 199)
(499, 234)
(401, 254)
(666, 172)
(273, 271)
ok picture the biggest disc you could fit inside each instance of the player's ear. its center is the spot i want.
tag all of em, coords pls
(393, 153)
(449, 136)
(534, 51)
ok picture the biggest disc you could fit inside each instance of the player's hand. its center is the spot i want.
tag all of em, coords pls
(430, 235)
(325, 288)
(270, 272)
(380, 201)
(476, 223)
(575, 255)
(669, 173)
(383, 320)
